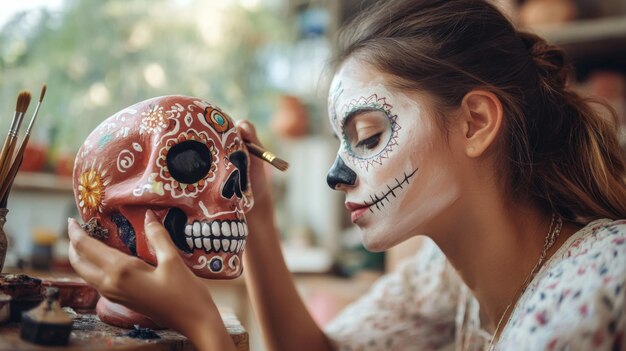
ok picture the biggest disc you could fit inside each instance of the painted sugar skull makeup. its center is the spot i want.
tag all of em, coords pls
(393, 162)
(181, 157)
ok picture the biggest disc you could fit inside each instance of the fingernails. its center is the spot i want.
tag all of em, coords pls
(71, 221)
(244, 125)
(150, 218)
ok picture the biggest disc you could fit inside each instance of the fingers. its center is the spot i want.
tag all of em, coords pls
(248, 132)
(159, 238)
(102, 266)
(92, 274)
(89, 248)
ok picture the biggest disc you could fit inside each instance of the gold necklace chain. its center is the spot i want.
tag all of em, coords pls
(553, 233)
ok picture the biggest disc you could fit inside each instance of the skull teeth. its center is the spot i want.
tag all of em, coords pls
(217, 236)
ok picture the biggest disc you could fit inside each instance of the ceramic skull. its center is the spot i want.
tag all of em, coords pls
(183, 158)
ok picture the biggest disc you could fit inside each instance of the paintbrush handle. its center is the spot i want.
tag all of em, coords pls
(260, 152)
(6, 154)
(5, 188)
(267, 156)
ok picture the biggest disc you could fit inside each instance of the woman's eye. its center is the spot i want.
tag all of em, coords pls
(366, 132)
(369, 143)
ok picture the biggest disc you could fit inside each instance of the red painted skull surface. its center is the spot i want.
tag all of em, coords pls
(181, 157)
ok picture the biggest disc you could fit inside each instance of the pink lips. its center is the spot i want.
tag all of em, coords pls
(356, 210)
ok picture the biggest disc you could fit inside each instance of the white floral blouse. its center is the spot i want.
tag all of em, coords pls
(575, 302)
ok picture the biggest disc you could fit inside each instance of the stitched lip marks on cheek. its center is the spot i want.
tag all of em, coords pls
(378, 200)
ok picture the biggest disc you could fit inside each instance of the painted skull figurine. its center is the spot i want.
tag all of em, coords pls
(183, 158)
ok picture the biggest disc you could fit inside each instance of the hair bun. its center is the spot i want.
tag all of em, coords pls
(549, 59)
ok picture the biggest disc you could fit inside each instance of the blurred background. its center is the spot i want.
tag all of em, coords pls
(263, 60)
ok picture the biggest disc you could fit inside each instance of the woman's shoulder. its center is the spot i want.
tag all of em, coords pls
(599, 239)
(590, 263)
(594, 256)
(578, 299)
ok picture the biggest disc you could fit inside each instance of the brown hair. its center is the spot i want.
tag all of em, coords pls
(559, 153)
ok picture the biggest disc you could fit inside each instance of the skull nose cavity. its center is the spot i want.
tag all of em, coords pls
(232, 186)
(175, 223)
(240, 160)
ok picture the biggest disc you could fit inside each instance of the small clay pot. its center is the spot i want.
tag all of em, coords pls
(25, 293)
(5, 307)
(20, 285)
(74, 293)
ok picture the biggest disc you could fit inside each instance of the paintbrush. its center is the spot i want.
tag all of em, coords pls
(23, 100)
(267, 156)
(17, 162)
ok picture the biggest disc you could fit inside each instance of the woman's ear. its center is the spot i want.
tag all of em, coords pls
(482, 118)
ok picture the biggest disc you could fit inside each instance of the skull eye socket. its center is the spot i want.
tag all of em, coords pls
(189, 161)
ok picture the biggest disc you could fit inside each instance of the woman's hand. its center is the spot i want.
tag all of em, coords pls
(170, 293)
(261, 189)
(270, 285)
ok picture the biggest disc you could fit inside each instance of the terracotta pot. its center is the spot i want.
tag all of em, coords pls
(73, 292)
(34, 157)
(291, 119)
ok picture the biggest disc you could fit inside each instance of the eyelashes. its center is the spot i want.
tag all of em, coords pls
(369, 143)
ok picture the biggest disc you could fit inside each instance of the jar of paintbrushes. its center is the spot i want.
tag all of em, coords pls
(3, 237)
(11, 157)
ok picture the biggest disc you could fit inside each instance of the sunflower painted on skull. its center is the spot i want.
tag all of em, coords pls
(183, 158)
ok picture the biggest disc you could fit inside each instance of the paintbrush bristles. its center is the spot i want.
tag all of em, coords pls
(6, 155)
(10, 165)
(23, 101)
(280, 164)
(25, 104)
(43, 92)
(20, 101)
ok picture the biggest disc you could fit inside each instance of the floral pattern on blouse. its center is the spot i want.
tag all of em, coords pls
(575, 302)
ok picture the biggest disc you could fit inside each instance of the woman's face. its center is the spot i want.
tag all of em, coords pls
(394, 164)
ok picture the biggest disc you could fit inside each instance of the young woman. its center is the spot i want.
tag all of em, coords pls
(452, 125)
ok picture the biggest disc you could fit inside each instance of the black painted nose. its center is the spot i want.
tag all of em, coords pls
(339, 173)
(240, 160)
(232, 186)
(237, 182)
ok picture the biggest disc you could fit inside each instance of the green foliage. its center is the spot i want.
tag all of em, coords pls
(100, 56)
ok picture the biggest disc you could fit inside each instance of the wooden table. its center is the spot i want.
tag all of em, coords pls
(90, 334)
